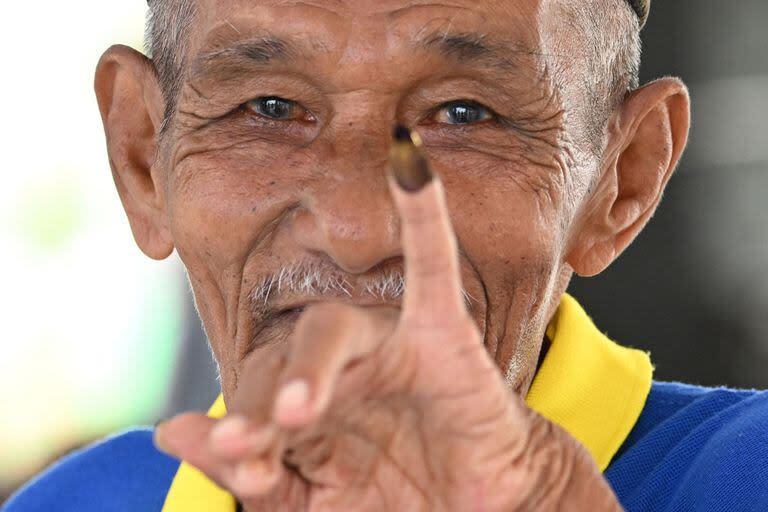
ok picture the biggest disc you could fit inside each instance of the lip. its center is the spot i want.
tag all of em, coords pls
(289, 314)
(292, 310)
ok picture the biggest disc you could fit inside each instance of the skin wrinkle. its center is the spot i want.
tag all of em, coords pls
(536, 491)
(206, 147)
(269, 47)
(542, 187)
(426, 496)
(203, 305)
(191, 85)
(233, 325)
(206, 121)
(260, 240)
(517, 367)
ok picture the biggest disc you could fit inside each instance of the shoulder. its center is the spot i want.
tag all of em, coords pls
(696, 448)
(730, 470)
(120, 473)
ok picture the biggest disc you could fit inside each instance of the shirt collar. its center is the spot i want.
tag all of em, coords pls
(592, 387)
(589, 385)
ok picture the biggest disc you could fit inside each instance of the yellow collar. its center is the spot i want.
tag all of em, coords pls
(587, 384)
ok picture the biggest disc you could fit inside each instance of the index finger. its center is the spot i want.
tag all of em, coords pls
(433, 293)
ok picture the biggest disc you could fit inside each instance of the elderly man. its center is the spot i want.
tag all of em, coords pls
(389, 313)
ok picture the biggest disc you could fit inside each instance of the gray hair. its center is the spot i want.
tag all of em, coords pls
(612, 64)
(166, 42)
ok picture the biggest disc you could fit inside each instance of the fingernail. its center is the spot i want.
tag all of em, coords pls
(229, 427)
(157, 439)
(407, 161)
(293, 396)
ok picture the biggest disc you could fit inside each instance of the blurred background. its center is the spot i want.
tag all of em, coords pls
(98, 337)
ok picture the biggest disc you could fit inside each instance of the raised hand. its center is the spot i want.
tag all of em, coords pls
(379, 409)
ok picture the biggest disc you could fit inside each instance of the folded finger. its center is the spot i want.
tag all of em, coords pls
(186, 437)
(236, 438)
(328, 337)
(249, 476)
(256, 476)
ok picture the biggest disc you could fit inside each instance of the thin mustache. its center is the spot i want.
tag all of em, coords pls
(320, 280)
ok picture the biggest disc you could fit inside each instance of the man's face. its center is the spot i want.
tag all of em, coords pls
(277, 160)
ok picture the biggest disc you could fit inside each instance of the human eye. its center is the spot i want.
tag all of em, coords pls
(276, 108)
(462, 112)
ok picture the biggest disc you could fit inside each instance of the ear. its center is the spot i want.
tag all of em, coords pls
(131, 106)
(646, 137)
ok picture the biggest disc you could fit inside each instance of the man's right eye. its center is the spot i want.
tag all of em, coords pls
(276, 108)
(463, 112)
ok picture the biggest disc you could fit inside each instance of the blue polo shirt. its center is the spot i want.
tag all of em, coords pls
(687, 448)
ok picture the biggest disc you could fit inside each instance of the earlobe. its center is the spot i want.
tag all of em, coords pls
(647, 136)
(131, 107)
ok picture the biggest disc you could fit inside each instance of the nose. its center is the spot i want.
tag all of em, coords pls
(354, 224)
(348, 214)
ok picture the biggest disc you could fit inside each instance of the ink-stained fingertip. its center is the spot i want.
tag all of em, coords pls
(401, 133)
(407, 162)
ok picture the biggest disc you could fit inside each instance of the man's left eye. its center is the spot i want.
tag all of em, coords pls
(274, 107)
(462, 112)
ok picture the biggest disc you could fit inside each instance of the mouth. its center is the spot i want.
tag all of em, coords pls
(278, 316)
(273, 326)
(293, 311)
(290, 313)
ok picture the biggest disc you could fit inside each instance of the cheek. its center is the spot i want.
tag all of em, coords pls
(513, 241)
(223, 202)
(223, 207)
(510, 224)
(510, 215)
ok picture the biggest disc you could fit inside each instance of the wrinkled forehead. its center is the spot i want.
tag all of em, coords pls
(356, 30)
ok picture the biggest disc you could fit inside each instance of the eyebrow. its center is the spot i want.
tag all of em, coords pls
(265, 49)
(230, 61)
(481, 49)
